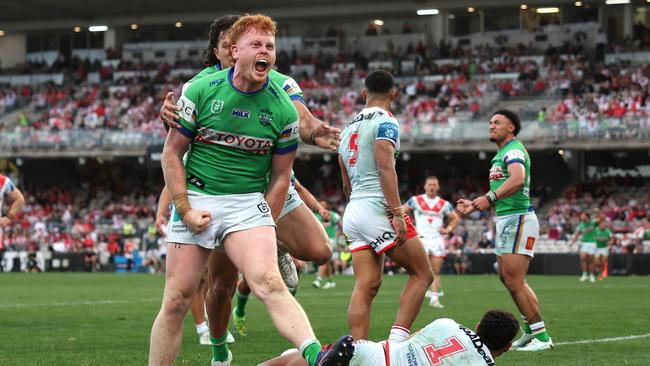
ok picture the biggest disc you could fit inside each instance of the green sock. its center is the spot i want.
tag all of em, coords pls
(219, 348)
(539, 331)
(543, 336)
(526, 325)
(309, 351)
(240, 309)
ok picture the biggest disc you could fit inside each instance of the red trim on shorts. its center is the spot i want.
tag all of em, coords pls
(439, 256)
(410, 229)
(361, 248)
(387, 247)
(386, 352)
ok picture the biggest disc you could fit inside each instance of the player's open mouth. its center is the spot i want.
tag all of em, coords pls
(261, 65)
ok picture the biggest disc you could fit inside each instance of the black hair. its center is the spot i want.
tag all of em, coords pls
(497, 328)
(216, 29)
(379, 81)
(512, 116)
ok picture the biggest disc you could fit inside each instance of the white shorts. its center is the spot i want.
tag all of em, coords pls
(368, 353)
(230, 213)
(516, 234)
(293, 201)
(587, 247)
(366, 226)
(602, 252)
(435, 247)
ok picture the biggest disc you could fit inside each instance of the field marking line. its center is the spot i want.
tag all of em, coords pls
(614, 339)
(76, 303)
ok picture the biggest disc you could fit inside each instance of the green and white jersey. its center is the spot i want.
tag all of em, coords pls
(513, 152)
(358, 146)
(331, 227)
(588, 231)
(234, 134)
(288, 84)
(602, 237)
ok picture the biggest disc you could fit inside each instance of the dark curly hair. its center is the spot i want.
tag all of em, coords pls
(512, 116)
(217, 28)
(497, 328)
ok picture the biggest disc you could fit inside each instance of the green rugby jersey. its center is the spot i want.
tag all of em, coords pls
(234, 134)
(288, 84)
(588, 231)
(513, 152)
(330, 226)
(602, 237)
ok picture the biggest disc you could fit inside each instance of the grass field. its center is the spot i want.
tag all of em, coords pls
(105, 319)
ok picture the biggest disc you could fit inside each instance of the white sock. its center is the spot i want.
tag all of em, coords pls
(538, 327)
(202, 328)
(434, 296)
(398, 333)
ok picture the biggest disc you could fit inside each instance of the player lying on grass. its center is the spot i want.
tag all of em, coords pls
(442, 343)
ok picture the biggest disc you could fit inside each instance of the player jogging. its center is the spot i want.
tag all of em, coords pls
(331, 221)
(242, 130)
(587, 232)
(517, 228)
(374, 222)
(443, 342)
(430, 211)
(603, 243)
(16, 201)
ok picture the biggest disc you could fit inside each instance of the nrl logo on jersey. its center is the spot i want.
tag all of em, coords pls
(266, 117)
(241, 113)
(217, 106)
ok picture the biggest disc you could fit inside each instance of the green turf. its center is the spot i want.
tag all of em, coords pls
(105, 319)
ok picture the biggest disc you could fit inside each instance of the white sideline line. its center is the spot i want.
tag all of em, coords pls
(76, 303)
(614, 339)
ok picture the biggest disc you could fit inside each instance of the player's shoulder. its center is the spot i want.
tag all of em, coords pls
(279, 77)
(445, 322)
(214, 80)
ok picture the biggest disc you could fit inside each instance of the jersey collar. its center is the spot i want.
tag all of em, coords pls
(231, 71)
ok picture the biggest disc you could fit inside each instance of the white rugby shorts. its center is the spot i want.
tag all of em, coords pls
(366, 226)
(230, 213)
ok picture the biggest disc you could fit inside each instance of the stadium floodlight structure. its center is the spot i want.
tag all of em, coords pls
(548, 10)
(97, 28)
(616, 2)
(428, 12)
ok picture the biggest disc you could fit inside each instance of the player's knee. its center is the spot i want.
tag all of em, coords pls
(222, 290)
(267, 284)
(512, 282)
(177, 302)
(427, 276)
(323, 254)
(370, 286)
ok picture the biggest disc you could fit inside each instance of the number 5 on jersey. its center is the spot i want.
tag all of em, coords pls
(353, 149)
